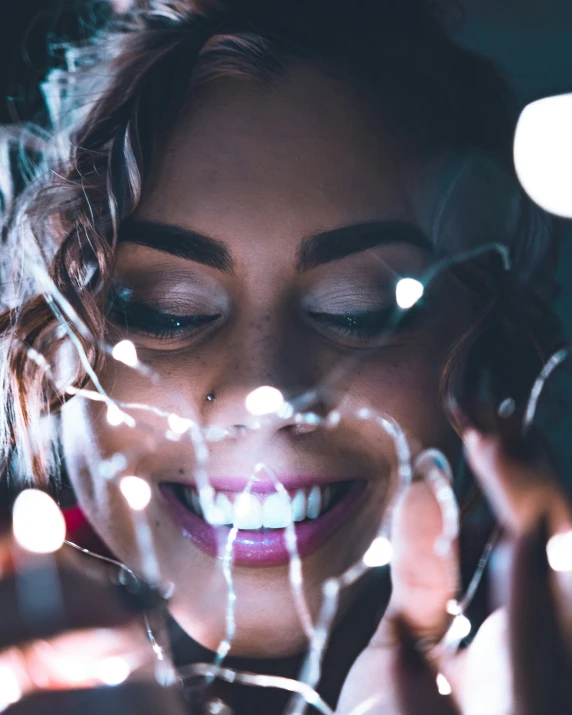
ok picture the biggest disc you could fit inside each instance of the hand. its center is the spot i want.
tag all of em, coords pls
(520, 661)
(51, 652)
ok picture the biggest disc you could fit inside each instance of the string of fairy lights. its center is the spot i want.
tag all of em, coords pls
(39, 527)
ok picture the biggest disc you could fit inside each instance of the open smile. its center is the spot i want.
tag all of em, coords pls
(261, 516)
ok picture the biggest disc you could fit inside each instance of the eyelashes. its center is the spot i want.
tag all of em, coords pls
(367, 326)
(132, 315)
(355, 329)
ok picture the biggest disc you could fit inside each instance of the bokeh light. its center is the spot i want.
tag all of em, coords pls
(136, 491)
(125, 352)
(459, 628)
(443, 685)
(407, 292)
(37, 522)
(114, 415)
(10, 691)
(264, 400)
(178, 424)
(379, 552)
(559, 552)
(543, 153)
(113, 670)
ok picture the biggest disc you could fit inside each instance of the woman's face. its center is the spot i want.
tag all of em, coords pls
(255, 182)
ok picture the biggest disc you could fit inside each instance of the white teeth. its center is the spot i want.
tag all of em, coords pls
(222, 502)
(272, 511)
(247, 512)
(276, 512)
(299, 506)
(314, 502)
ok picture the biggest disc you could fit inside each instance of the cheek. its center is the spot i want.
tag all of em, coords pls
(405, 385)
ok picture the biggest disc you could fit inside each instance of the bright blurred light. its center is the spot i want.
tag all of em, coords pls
(453, 607)
(379, 552)
(407, 292)
(443, 685)
(114, 415)
(459, 628)
(264, 401)
(136, 491)
(37, 522)
(559, 552)
(124, 351)
(113, 670)
(543, 153)
(10, 690)
(179, 425)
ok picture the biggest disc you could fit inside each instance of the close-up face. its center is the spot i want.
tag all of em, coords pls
(273, 228)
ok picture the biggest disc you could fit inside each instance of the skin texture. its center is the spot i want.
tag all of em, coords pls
(260, 170)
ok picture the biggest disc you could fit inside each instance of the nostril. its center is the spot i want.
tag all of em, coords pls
(238, 430)
(302, 428)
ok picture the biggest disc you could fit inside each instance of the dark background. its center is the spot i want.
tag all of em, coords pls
(531, 40)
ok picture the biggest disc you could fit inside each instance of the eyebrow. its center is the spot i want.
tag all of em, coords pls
(345, 241)
(180, 242)
(316, 250)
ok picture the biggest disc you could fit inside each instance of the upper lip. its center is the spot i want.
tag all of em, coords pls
(263, 484)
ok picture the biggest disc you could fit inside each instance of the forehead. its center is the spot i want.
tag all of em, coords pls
(307, 155)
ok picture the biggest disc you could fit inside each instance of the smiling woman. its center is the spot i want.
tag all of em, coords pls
(246, 198)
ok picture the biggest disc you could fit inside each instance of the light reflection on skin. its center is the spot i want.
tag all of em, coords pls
(257, 172)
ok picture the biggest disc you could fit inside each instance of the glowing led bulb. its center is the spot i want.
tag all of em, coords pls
(114, 415)
(443, 685)
(124, 351)
(379, 552)
(37, 522)
(543, 153)
(136, 491)
(179, 425)
(264, 401)
(459, 628)
(453, 607)
(407, 292)
(10, 690)
(113, 670)
(559, 552)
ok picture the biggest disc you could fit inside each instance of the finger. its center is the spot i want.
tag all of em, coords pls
(541, 662)
(481, 675)
(416, 687)
(519, 491)
(127, 699)
(424, 578)
(45, 598)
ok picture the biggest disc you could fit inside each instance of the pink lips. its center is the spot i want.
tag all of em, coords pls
(268, 547)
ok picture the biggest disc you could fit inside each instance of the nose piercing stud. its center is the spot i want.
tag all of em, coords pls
(210, 397)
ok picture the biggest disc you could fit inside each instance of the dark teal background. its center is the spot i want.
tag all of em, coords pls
(531, 40)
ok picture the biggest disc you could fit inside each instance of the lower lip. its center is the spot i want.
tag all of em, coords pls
(265, 548)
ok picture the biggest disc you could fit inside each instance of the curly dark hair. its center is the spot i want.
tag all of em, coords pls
(117, 96)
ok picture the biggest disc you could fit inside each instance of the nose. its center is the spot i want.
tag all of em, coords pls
(267, 354)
